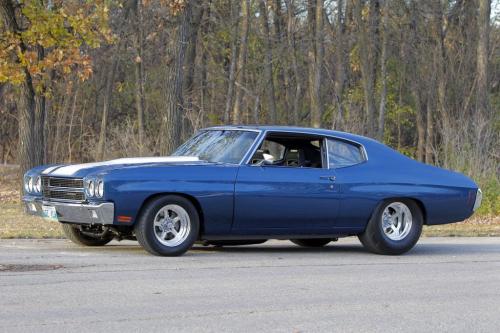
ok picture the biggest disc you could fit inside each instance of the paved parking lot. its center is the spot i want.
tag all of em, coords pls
(444, 284)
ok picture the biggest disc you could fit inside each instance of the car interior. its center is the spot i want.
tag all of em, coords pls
(290, 150)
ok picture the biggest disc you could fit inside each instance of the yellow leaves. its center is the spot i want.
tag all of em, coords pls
(52, 41)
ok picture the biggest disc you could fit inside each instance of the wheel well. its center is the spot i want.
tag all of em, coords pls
(192, 199)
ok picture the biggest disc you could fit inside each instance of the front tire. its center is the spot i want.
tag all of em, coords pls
(311, 242)
(74, 234)
(168, 226)
(394, 227)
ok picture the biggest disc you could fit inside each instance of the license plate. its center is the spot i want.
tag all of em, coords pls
(49, 213)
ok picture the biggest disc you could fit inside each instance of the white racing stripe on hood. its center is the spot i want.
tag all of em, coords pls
(49, 169)
(71, 169)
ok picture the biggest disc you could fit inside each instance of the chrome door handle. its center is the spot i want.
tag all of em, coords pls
(330, 178)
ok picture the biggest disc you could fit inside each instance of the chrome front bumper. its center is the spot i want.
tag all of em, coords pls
(102, 213)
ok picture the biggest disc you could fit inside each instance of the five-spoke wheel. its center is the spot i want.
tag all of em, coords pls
(172, 225)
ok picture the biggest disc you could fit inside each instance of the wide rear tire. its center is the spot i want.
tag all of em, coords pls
(394, 227)
(168, 226)
(74, 234)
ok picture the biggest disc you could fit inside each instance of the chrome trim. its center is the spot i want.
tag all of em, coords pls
(47, 188)
(326, 152)
(73, 212)
(254, 147)
(229, 128)
(478, 200)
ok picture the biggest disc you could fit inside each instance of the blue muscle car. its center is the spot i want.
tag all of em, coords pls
(246, 184)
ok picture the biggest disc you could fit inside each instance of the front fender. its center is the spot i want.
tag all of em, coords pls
(211, 186)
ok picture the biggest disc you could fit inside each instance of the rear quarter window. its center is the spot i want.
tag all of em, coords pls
(342, 154)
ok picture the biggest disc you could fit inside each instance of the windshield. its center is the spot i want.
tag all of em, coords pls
(226, 146)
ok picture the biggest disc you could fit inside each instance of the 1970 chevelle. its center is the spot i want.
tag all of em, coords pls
(246, 184)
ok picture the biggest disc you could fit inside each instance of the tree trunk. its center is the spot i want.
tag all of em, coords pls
(31, 107)
(483, 22)
(419, 111)
(110, 80)
(190, 66)
(171, 127)
(108, 94)
(367, 51)
(268, 67)
(242, 58)
(383, 71)
(295, 68)
(340, 65)
(232, 66)
(429, 153)
(315, 58)
(439, 71)
(139, 75)
(281, 65)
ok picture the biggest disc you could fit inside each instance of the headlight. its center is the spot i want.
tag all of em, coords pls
(30, 184)
(26, 183)
(91, 188)
(38, 184)
(100, 189)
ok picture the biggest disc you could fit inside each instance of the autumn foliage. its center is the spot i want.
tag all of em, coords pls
(52, 40)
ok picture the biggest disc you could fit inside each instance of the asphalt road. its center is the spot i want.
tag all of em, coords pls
(444, 284)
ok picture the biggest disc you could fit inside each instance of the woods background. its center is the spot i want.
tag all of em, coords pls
(91, 80)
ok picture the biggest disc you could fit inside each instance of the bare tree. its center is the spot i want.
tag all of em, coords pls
(171, 124)
(383, 70)
(139, 73)
(242, 59)
(483, 22)
(268, 65)
(368, 57)
(315, 57)
(232, 66)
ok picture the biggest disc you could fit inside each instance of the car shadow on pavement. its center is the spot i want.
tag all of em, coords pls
(421, 249)
(443, 249)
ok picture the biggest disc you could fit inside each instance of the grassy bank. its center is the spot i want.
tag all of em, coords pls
(14, 223)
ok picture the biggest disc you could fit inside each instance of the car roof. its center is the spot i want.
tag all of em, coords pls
(297, 129)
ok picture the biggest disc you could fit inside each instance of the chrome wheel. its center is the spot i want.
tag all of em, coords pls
(171, 225)
(396, 221)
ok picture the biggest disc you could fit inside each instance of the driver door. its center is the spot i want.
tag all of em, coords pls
(285, 198)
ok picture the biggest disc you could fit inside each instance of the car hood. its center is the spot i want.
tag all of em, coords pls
(82, 170)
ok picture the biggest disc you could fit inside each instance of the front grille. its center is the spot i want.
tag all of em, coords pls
(67, 189)
(63, 182)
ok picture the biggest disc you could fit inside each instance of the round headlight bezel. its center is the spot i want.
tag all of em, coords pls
(38, 184)
(30, 184)
(26, 183)
(99, 191)
(91, 188)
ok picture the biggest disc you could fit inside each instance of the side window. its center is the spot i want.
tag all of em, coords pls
(342, 154)
(290, 150)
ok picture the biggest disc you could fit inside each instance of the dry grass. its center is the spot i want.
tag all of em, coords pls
(14, 223)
